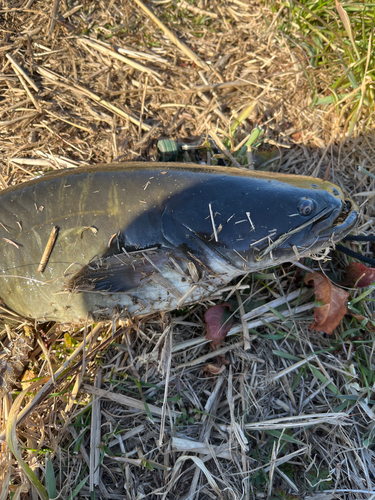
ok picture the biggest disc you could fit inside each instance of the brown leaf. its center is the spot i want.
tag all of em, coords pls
(328, 316)
(219, 322)
(359, 275)
(360, 318)
(217, 366)
(212, 369)
(296, 136)
(28, 378)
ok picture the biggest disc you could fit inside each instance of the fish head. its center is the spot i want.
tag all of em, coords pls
(256, 220)
(321, 216)
(299, 216)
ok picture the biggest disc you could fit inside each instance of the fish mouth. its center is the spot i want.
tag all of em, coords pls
(337, 223)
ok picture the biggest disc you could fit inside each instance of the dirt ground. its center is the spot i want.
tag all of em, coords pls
(289, 416)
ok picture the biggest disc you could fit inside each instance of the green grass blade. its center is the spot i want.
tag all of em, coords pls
(319, 375)
(362, 296)
(50, 479)
(14, 446)
(243, 115)
(147, 409)
(78, 488)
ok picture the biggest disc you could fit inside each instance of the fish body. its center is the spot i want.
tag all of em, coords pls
(137, 238)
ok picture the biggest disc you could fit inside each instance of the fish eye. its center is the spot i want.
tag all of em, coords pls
(306, 206)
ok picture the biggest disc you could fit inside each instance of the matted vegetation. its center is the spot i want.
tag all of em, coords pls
(336, 50)
(290, 413)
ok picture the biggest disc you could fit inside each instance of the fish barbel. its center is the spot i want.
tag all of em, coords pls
(137, 238)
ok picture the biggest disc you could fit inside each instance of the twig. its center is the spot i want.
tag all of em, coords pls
(28, 92)
(213, 222)
(167, 358)
(298, 421)
(48, 250)
(29, 116)
(68, 121)
(50, 75)
(197, 10)
(223, 148)
(245, 330)
(95, 436)
(142, 106)
(19, 70)
(109, 51)
(218, 352)
(184, 48)
(127, 401)
(52, 21)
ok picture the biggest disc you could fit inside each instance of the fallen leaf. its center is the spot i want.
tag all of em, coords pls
(219, 322)
(28, 378)
(212, 369)
(328, 316)
(359, 275)
(217, 366)
(296, 136)
(361, 318)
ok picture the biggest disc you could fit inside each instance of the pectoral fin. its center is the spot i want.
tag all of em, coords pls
(119, 273)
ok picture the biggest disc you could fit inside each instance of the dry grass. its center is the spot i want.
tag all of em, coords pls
(291, 415)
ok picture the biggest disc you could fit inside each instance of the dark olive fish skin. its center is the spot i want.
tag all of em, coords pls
(136, 238)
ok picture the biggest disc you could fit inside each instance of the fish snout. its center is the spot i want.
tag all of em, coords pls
(339, 223)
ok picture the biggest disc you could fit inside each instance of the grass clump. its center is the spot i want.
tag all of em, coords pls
(335, 43)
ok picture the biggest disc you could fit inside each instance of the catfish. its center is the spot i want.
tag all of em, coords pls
(129, 239)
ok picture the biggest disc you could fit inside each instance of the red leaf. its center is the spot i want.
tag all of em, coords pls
(334, 299)
(359, 275)
(219, 322)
